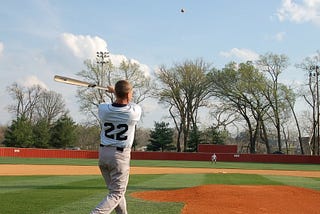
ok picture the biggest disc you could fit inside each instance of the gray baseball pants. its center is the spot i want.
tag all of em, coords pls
(115, 167)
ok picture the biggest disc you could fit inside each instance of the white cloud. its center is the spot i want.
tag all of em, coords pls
(84, 47)
(143, 67)
(1, 48)
(31, 81)
(307, 11)
(116, 59)
(241, 54)
(149, 107)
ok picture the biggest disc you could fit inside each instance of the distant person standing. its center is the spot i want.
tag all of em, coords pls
(214, 158)
(118, 121)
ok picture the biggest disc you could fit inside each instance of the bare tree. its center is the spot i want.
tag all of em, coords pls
(240, 87)
(184, 89)
(311, 66)
(274, 65)
(89, 99)
(25, 100)
(50, 106)
(141, 82)
(35, 103)
(108, 74)
(223, 116)
(290, 97)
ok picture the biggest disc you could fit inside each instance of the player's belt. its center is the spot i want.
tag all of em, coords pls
(117, 148)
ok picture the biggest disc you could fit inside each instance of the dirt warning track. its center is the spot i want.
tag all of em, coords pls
(12, 169)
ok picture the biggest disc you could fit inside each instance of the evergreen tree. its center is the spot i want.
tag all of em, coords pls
(194, 140)
(19, 134)
(63, 133)
(161, 138)
(213, 135)
(42, 134)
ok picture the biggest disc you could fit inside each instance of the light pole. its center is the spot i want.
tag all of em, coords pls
(316, 74)
(102, 59)
(102, 56)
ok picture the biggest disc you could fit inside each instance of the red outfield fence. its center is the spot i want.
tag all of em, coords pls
(212, 148)
(261, 158)
(199, 156)
(46, 153)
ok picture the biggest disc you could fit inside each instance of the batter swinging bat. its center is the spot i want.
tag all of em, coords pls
(71, 81)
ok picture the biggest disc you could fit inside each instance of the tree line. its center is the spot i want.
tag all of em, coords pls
(247, 96)
(41, 119)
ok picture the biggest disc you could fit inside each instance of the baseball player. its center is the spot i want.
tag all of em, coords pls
(214, 158)
(118, 121)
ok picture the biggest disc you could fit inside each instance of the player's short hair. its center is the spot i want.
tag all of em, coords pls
(122, 89)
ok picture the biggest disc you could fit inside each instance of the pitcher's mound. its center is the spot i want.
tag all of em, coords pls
(239, 199)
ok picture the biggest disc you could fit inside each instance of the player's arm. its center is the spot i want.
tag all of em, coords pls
(110, 89)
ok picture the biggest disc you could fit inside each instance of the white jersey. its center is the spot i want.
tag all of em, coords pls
(118, 123)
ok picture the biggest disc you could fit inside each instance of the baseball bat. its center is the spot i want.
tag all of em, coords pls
(76, 82)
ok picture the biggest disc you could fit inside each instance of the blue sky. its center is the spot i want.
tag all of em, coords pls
(41, 38)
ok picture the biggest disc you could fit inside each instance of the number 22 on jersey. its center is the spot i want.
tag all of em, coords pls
(117, 132)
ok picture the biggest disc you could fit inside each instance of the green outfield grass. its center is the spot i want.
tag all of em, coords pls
(79, 194)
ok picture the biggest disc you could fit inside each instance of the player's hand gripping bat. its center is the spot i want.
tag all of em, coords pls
(76, 82)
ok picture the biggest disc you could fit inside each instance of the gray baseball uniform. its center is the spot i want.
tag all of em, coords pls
(118, 123)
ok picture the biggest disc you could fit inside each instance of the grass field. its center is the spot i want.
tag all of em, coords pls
(79, 194)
